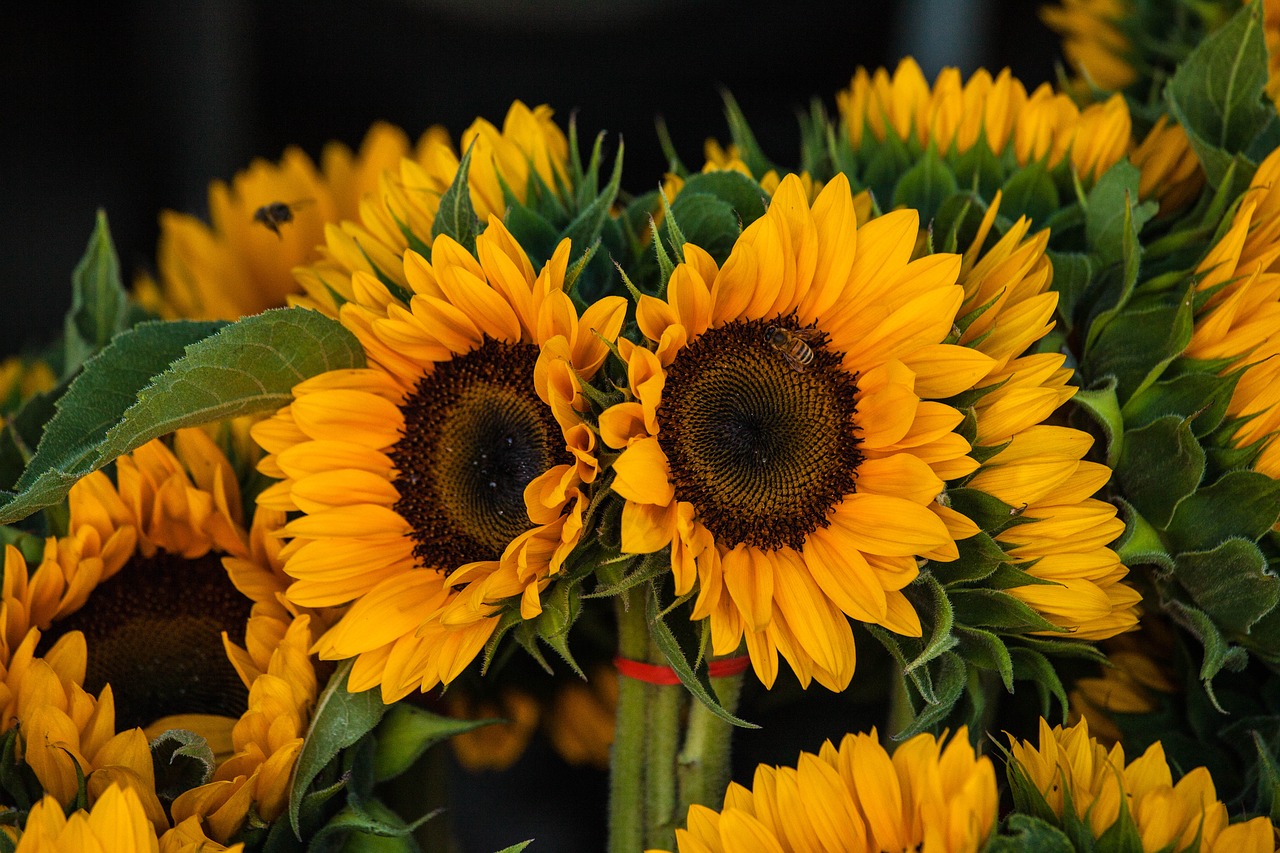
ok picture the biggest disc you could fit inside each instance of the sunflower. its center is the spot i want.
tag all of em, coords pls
(1238, 321)
(1138, 674)
(956, 116)
(1092, 40)
(775, 382)
(117, 823)
(448, 476)
(268, 220)
(527, 156)
(1170, 171)
(65, 734)
(857, 798)
(499, 745)
(169, 657)
(1080, 781)
(1064, 535)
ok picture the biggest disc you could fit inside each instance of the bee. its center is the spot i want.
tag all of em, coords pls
(794, 344)
(277, 213)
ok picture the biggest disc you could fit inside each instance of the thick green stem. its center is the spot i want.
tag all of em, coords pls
(704, 760)
(627, 771)
(901, 714)
(663, 743)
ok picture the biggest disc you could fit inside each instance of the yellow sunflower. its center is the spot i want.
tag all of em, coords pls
(956, 116)
(448, 476)
(1170, 171)
(65, 734)
(141, 575)
(778, 382)
(1239, 323)
(268, 220)
(530, 148)
(1070, 766)
(117, 823)
(1040, 471)
(857, 798)
(1139, 671)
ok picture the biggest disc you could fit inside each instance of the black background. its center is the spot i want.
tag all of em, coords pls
(134, 106)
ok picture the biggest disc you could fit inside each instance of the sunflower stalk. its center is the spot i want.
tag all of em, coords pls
(627, 783)
(703, 769)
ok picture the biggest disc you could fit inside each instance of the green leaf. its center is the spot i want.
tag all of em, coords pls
(560, 609)
(406, 732)
(748, 149)
(989, 608)
(1072, 275)
(1138, 344)
(99, 305)
(1030, 192)
(925, 186)
(988, 512)
(1030, 665)
(948, 676)
(1239, 504)
(159, 377)
(1160, 464)
(937, 612)
(370, 827)
(1218, 653)
(1200, 395)
(1101, 404)
(516, 848)
(182, 760)
(340, 719)
(1140, 544)
(706, 221)
(584, 230)
(1110, 213)
(984, 649)
(682, 655)
(1023, 833)
(456, 216)
(980, 556)
(1218, 92)
(1231, 583)
(740, 192)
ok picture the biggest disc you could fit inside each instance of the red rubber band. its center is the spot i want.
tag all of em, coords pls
(661, 674)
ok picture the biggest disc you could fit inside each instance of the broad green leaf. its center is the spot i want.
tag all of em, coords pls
(925, 186)
(1218, 92)
(1023, 833)
(1029, 192)
(979, 557)
(708, 222)
(1140, 544)
(456, 216)
(1160, 464)
(99, 305)
(988, 512)
(986, 608)
(1112, 212)
(1139, 343)
(682, 657)
(739, 191)
(159, 377)
(1072, 275)
(406, 732)
(1231, 583)
(1200, 395)
(1240, 504)
(341, 718)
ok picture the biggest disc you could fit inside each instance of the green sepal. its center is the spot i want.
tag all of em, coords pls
(340, 719)
(182, 760)
(370, 826)
(704, 220)
(1030, 192)
(532, 231)
(989, 608)
(740, 132)
(406, 732)
(1121, 837)
(740, 192)
(930, 600)
(986, 651)
(1027, 798)
(1231, 583)
(560, 609)
(987, 511)
(642, 570)
(941, 684)
(456, 216)
(889, 159)
(1112, 218)
(1239, 504)
(1103, 407)
(1218, 94)
(585, 228)
(1137, 345)
(1268, 802)
(1160, 464)
(1030, 665)
(99, 304)
(17, 780)
(1072, 277)
(158, 377)
(517, 847)
(925, 186)
(1140, 543)
(979, 558)
(30, 546)
(1199, 395)
(1218, 653)
(1023, 833)
(682, 649)
(7, 844)
(979, 170)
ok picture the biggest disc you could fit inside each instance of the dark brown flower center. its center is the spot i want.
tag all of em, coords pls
(475, 435)
(154, 633)
(757, 422)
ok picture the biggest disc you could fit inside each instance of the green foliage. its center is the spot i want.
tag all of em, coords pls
(99, 305)
(456, 216)
(182, 760)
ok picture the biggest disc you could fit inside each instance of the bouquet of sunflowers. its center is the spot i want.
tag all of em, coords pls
(408, 463)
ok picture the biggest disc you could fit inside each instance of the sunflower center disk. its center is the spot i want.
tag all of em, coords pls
(154, 633)
(757, 421)
(475, 435)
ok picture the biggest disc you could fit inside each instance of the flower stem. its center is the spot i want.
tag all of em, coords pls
(704, 760)
(627, 792)
(665, 702)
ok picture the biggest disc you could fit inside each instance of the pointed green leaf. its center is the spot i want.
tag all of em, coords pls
(1200, 395)
(1239, 504)
(930, 600)
(1218, 653)
(1101, 405)
(585, 228)
(1030, 665)
(740, 131)
(159, 377)
(925, 186)
(988, 608)
(1029, 192)
(1138, 344)
(948, 678)
(682, 653)
(1231, 583)
(1112, 211)
(406, 732)
(1160, 464)
(739, 191)
(456, 216)
(99, 305)
(340, 719)
(1072, 275)
(986, 650)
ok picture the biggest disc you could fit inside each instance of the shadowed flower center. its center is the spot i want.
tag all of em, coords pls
(475, 434)
(154, 633)
(757, 422)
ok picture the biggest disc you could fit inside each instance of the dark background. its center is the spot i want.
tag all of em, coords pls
(134, 106)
